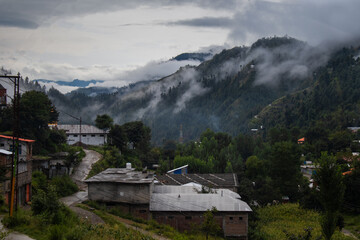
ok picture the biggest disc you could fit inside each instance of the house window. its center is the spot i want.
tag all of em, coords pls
(231, 218)
(188, 217)
(2, 145)
(93, 135)
(142, 211)
(101, 135)
(170, 217)
(75, 135)
(84, 135)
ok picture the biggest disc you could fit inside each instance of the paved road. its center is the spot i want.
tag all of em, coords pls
(80, 172)
(79, 175)
(14, 235)
(348, 233)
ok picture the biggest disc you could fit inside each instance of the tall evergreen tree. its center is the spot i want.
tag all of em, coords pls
(330, 181)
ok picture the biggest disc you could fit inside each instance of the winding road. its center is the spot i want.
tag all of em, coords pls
(78, 176)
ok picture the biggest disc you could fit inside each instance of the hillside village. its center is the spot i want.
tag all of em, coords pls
(299, 157)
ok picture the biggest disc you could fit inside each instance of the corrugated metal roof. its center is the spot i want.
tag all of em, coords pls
(75, 129)
(121, 175)
(5, 152)
(186, 198)
(217, 180)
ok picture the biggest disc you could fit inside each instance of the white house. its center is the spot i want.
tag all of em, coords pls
(90, 135)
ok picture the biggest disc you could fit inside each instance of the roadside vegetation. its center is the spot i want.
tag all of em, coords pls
(288, 221)
(198, 232)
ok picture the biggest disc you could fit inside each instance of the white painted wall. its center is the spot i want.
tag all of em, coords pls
(88, 139)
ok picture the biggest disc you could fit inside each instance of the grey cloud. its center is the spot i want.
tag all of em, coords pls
(31, 14)
(221, 22)
(11, 21)
(313, 21)
(298, 61)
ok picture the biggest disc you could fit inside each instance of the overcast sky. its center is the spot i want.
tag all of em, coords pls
(106, 39)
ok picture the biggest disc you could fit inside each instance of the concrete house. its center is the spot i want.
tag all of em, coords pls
(51, 166)
(90, 135)
(128, 188)
(24, 168)
(183, 207)
(180, 206)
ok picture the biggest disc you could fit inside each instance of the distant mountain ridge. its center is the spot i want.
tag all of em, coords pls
(230, 92)
(73, 83)
(195, 56)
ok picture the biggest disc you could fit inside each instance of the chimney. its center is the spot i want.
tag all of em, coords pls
(128, 165)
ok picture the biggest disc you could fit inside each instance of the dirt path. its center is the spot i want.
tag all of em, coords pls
(80, 172)
(348, 233)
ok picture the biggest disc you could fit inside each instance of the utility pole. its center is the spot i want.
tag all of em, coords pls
(79, 119)
(15, 144)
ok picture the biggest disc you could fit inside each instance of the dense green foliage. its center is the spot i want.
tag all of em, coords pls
(45, 196)
(329, 179)
(326, 108)
(127, 143)
(36, 112)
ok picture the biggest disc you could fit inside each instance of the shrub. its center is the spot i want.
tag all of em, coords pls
(19, 218)
(56, 232)
(64, 186)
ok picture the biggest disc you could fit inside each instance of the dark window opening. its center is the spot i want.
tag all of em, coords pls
(142, 211)
(170, 217)
(75, 135)
(84, 135)
(93, 135)
(188, 217)
(230, 218)
(240, 218)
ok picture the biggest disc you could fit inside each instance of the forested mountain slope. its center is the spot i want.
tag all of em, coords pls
(232, 91)
(332, 101)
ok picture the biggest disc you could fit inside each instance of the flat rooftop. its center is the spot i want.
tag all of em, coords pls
(122, 175)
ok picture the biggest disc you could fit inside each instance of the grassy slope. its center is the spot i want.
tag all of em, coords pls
(274, 220)
(352, 223)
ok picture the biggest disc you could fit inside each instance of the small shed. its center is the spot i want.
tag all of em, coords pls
(179, 170)
(121, 185)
